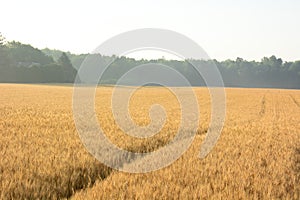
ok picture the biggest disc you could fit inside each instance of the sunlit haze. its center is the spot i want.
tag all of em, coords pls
(224, 29)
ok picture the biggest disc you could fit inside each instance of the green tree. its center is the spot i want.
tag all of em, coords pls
(4, 57)
(2, 41)
(69, 72)
(295, 67)
(24, 54)
(7, 70)
(273, 62)
(64, 61)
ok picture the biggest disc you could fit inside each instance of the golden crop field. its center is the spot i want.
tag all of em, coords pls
(256, 157)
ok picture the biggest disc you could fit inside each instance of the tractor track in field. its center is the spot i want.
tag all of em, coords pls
(263, 106)
(295, 101)
(260, 112)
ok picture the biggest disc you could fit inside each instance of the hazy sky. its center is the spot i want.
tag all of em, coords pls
(225, 28)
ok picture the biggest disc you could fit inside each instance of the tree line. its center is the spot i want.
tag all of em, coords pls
(20, 63)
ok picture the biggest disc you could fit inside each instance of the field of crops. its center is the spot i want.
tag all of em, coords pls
(256, 157)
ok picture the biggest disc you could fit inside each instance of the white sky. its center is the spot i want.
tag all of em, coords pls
(225, 28)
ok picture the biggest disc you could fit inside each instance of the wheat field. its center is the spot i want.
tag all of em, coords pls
(256, 157)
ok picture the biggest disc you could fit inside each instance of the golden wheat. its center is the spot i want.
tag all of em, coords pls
(256, 157)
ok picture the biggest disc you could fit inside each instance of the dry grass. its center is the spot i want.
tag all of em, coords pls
(41, 156)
